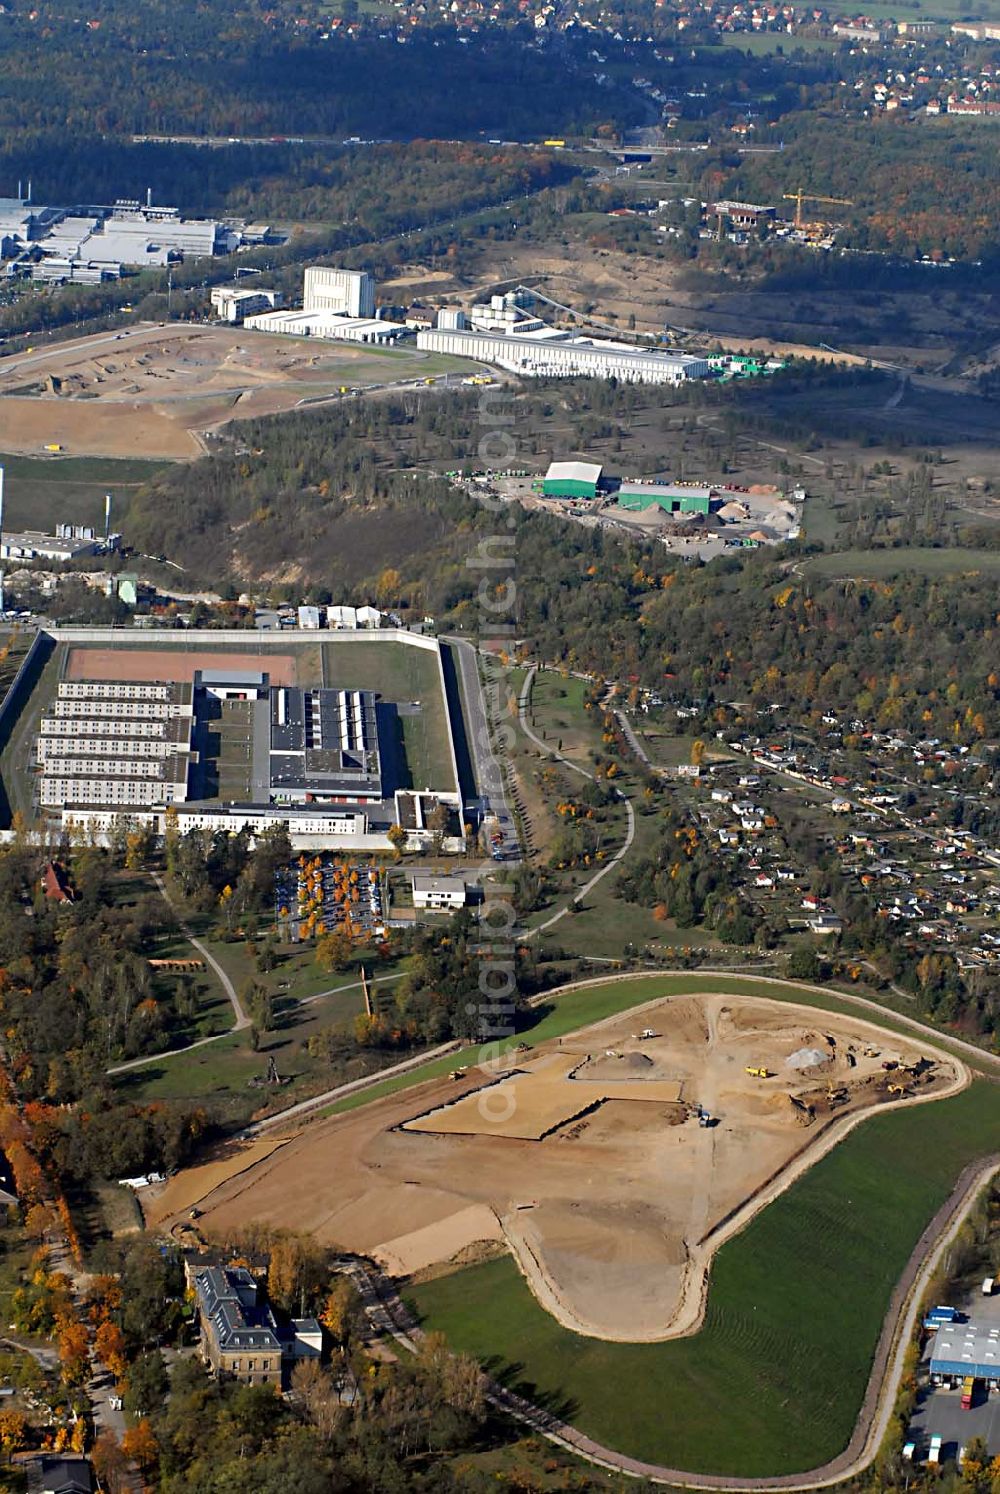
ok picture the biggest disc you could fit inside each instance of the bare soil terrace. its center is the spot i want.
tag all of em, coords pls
(156, 391)
(587, 1156)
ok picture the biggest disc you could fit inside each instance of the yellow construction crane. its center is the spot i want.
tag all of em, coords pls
(800, 197)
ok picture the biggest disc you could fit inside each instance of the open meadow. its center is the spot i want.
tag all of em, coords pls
(773, 1381)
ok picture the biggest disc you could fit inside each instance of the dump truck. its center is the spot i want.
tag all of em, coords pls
(53, 446)
(758, 1073)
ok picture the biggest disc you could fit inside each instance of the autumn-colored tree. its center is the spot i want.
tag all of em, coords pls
(397, 838)
(13, 1432)
(334, 951)
(138, 844)
(140, 1444)
(110, 1463)
(109, 1346)
(340, 1310)
(315, 1389)
(73, 1351)
(296, 1271)
(387, 587)
(39, 1220)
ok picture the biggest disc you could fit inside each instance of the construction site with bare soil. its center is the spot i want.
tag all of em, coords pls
(156, 392)
(612, 1163)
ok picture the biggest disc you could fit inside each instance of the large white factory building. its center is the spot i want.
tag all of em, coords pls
(560, 354)
(343, 292)
(335, 303)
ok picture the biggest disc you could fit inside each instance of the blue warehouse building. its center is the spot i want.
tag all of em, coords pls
(963, 1349)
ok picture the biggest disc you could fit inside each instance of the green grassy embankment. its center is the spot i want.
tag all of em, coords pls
(774, 1380)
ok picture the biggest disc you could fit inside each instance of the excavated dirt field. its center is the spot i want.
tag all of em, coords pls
(587, 1156)
(154, 392)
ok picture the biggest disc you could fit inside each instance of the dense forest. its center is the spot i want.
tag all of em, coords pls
(368, 191)
(172, 69)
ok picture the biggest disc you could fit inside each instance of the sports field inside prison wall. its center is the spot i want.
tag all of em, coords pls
(774, 1381)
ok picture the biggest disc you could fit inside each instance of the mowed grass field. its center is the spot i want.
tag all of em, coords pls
(922, 560)
(401, 673)
(774, 1380)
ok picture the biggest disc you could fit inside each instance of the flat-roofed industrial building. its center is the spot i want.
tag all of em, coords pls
(963, 1349)
(324, 746)
(561, 355)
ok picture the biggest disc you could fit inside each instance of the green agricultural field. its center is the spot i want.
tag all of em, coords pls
(773, 1381)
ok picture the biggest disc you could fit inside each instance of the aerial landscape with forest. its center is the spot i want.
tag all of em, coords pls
(499, 746)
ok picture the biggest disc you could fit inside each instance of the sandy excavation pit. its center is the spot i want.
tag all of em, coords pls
(600, 1177)
(155, 391)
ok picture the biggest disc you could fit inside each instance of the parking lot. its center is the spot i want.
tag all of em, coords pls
(318, 894)
(939, 1411)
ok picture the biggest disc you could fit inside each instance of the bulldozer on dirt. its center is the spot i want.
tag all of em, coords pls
(897, 1089)
(758, 1073)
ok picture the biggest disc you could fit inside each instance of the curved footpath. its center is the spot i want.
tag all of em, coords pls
(523, 704)
(241, 1018)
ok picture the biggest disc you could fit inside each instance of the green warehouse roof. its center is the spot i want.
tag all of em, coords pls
(639, 497)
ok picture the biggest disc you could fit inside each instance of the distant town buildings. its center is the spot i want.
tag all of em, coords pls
(337, 304)
(234, 303)
(555, 354)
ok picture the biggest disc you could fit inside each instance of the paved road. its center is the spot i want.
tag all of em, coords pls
(145, 332)
(488, 768)
(100, 1385)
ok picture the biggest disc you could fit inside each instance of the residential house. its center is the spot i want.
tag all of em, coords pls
(242, 1338)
